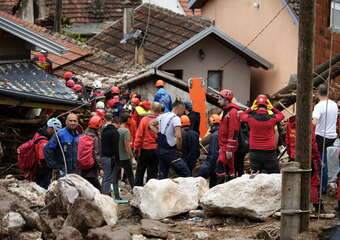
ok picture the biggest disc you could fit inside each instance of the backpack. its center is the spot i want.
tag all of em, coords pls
(85, 152)
(27, 159)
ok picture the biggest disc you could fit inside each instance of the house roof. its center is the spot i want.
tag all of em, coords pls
(86, 11)
(166, 31)
(8, 5)
(253, 59)
(26, 81)
(31, 35)
(187, 10)
(197, 3)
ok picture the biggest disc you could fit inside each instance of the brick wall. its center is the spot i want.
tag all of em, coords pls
(323, 41)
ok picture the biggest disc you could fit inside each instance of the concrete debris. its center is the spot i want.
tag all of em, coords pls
(153, 228)
(29, 191)
(62, 195)
(159, 199)
(68, 232)
(31, 235)
(196, 213)
(138, 237)
(201, 235)
(108, 233)
(14, 221)
(256, 198)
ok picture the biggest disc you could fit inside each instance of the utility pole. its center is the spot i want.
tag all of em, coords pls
(304, 103)
(57, 16)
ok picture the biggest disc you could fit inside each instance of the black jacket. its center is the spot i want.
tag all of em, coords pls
(110, 142)
(195, 119)
(191, 147)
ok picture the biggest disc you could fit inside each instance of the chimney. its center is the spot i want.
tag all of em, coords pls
(139, 55)
(128, 21)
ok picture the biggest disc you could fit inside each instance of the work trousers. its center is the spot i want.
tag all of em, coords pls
(148, 161)
(323, 154)
(225, 166)
(168, 158)
(106, 164)
(127, 166)
(207, 170)
(264, 161)
(43, 176)
(239, 163)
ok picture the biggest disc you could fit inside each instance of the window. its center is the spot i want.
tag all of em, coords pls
(215, 79)
(335, 14)
(177, 73)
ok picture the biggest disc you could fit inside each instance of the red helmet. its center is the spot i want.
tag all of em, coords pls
(115, 90)
(228, 94)
(262, 100)
(67, 75)
(70, 83)
(185, 120)
(77, 88)
(135, 101)
(95, 122)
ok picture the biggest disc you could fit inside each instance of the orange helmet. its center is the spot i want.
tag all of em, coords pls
(68, 75)
(160, 83)
(95, 122)
(262, 100)
(185, 120)
(115, 90)
(227, 94)
(135, 101)
(77, 88)
(70, 83)
(214, 119)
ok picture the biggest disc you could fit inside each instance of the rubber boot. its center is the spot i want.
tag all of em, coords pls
(116, 194)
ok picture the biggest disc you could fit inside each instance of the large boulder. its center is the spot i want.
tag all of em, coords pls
(62, 194)
(13, 221)
(160, 199)
(154, 228)
(256, 198)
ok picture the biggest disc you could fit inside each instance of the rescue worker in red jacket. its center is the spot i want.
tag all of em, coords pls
(290, 146)
(227, 136)
(262, 118)
(142, 110)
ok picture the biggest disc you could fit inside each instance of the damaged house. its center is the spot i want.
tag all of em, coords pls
(27, 92)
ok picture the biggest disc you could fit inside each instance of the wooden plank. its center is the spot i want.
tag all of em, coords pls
(21, 121)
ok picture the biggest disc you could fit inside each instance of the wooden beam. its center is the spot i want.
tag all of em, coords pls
(18, 103)
(21, 121)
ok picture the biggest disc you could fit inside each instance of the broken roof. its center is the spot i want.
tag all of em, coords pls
(166, 31)
(26, 81)
(85, 11)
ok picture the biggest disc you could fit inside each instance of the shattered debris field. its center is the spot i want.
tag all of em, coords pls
(65, 212)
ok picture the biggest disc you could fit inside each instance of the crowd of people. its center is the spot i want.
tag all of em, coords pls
(126, 130)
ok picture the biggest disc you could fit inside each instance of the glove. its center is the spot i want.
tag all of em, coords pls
(270, 106)
(254, 107)
(228, 155)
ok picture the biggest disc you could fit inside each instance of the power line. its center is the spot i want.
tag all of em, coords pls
(256, 36)
(147, 25)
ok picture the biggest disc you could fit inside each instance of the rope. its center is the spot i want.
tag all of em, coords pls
(325, 128)
(147, 26)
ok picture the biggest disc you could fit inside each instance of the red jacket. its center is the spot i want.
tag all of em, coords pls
(229, 129)
(39, 148)
(132, 126)
(144, 109)
(261, 126)
(291, 142)
(145, 137)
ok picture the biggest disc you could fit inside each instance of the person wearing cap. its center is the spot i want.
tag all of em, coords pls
(100, 112)
(67, 143)
(227, 137)
(43, 62)
(145, 147)
(261, 119)
(43, 173)
(207, 169)
(68, 76)
(190, 144)
(195, 117)
(92, 130)
(162, 96)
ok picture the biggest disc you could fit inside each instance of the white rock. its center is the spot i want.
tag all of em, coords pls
(159, 199)
(14, 221)
(72, 186)
(30, 191)
(201, 235)
(256, 198)
(138, 237)
(30, 235)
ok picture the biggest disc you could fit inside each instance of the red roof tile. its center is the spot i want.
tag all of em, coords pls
(166, 31)
(188, 12)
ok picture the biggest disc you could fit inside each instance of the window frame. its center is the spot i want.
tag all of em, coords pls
(221, 79)
(332, 24)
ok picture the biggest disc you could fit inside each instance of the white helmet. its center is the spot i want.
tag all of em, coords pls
(100, 105)
(54, 123)
(97, 84)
